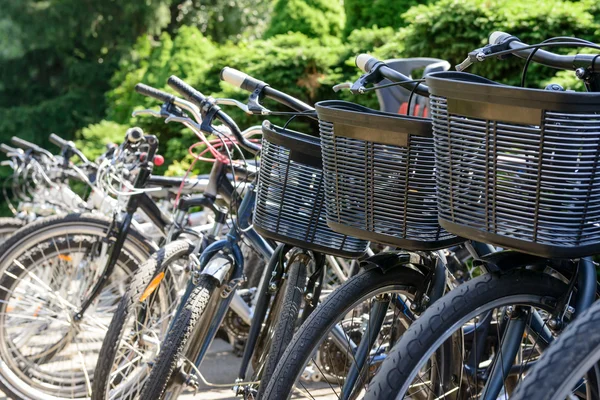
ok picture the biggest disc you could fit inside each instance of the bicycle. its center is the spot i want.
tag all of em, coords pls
(126, 350)
(38, 182)
(480, 339)
(101, 253)
(381, 186)
(168, 358)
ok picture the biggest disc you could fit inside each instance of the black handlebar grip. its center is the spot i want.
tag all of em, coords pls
(24, 144)
(57, 140)
(186, 90)
(154, 93)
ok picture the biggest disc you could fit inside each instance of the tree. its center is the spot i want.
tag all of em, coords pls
(314, 18)
(54, 74)
(380, 13)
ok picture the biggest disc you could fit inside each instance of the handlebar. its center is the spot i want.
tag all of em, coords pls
(25, 145)
(544, 57)
(69, 146)
(209, 106)
(154, 93)
(246, 82)
(187, 91)
(371, 65)
(58, 141)
(6, 149)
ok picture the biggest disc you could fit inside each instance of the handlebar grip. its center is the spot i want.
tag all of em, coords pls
(239, 79)
(57, 140)
(7, 149)
(186, 90)
(365, 62)
(24, 144)
(154, 93)
(498, 37)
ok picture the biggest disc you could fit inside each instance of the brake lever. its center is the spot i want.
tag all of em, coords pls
(154, 113)
(481, 54)
(233, 102)
(183, 120)
(341, 86)
(464, 65)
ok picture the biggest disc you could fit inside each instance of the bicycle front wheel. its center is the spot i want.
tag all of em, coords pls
(163, 381)
(323, 360)
(139, 325)
(570, 368)
(495, 327)
(8, 226)
(47, 269)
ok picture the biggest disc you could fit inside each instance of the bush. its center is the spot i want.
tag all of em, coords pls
(188, 55)
(450, 29)
(376, 13)
(314, 18)
(94, 138)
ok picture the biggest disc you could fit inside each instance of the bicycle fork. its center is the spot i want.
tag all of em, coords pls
(516, 325)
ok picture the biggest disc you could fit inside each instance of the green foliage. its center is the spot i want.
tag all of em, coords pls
(449, 29)
(314, 18)
(376, 13)
(188, 56)
(94, 138)
(222, 20)
(54, 73)
(293, 63)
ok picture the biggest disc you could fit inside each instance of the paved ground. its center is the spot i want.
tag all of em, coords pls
(219, 367)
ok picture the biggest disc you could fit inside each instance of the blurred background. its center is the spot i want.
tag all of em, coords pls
(69, 66)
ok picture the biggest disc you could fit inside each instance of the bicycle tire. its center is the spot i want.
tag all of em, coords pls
(137, 246)
(177, 338)
(301, 348)
(8, 226)
(575, 351)
(287, 318)
(116, 330)
(442, 316)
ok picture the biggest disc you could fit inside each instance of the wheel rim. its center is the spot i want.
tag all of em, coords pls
(62, 364)
(322, 375)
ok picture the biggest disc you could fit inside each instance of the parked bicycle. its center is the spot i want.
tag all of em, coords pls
(515, 167)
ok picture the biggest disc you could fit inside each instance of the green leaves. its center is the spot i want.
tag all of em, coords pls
(313, 18)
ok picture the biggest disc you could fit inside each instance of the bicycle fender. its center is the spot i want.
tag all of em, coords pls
(388, 260)
(218, 267)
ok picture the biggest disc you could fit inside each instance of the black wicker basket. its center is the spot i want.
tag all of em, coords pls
(380, 177)
(290, 195)
(517, 167)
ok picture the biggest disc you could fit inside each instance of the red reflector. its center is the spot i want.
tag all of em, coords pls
(159, 160)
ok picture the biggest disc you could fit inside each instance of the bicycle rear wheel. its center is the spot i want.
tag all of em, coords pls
(46, 271)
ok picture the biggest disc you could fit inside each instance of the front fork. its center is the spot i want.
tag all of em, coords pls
(114, 253)
(376, 319)
(515, 328)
